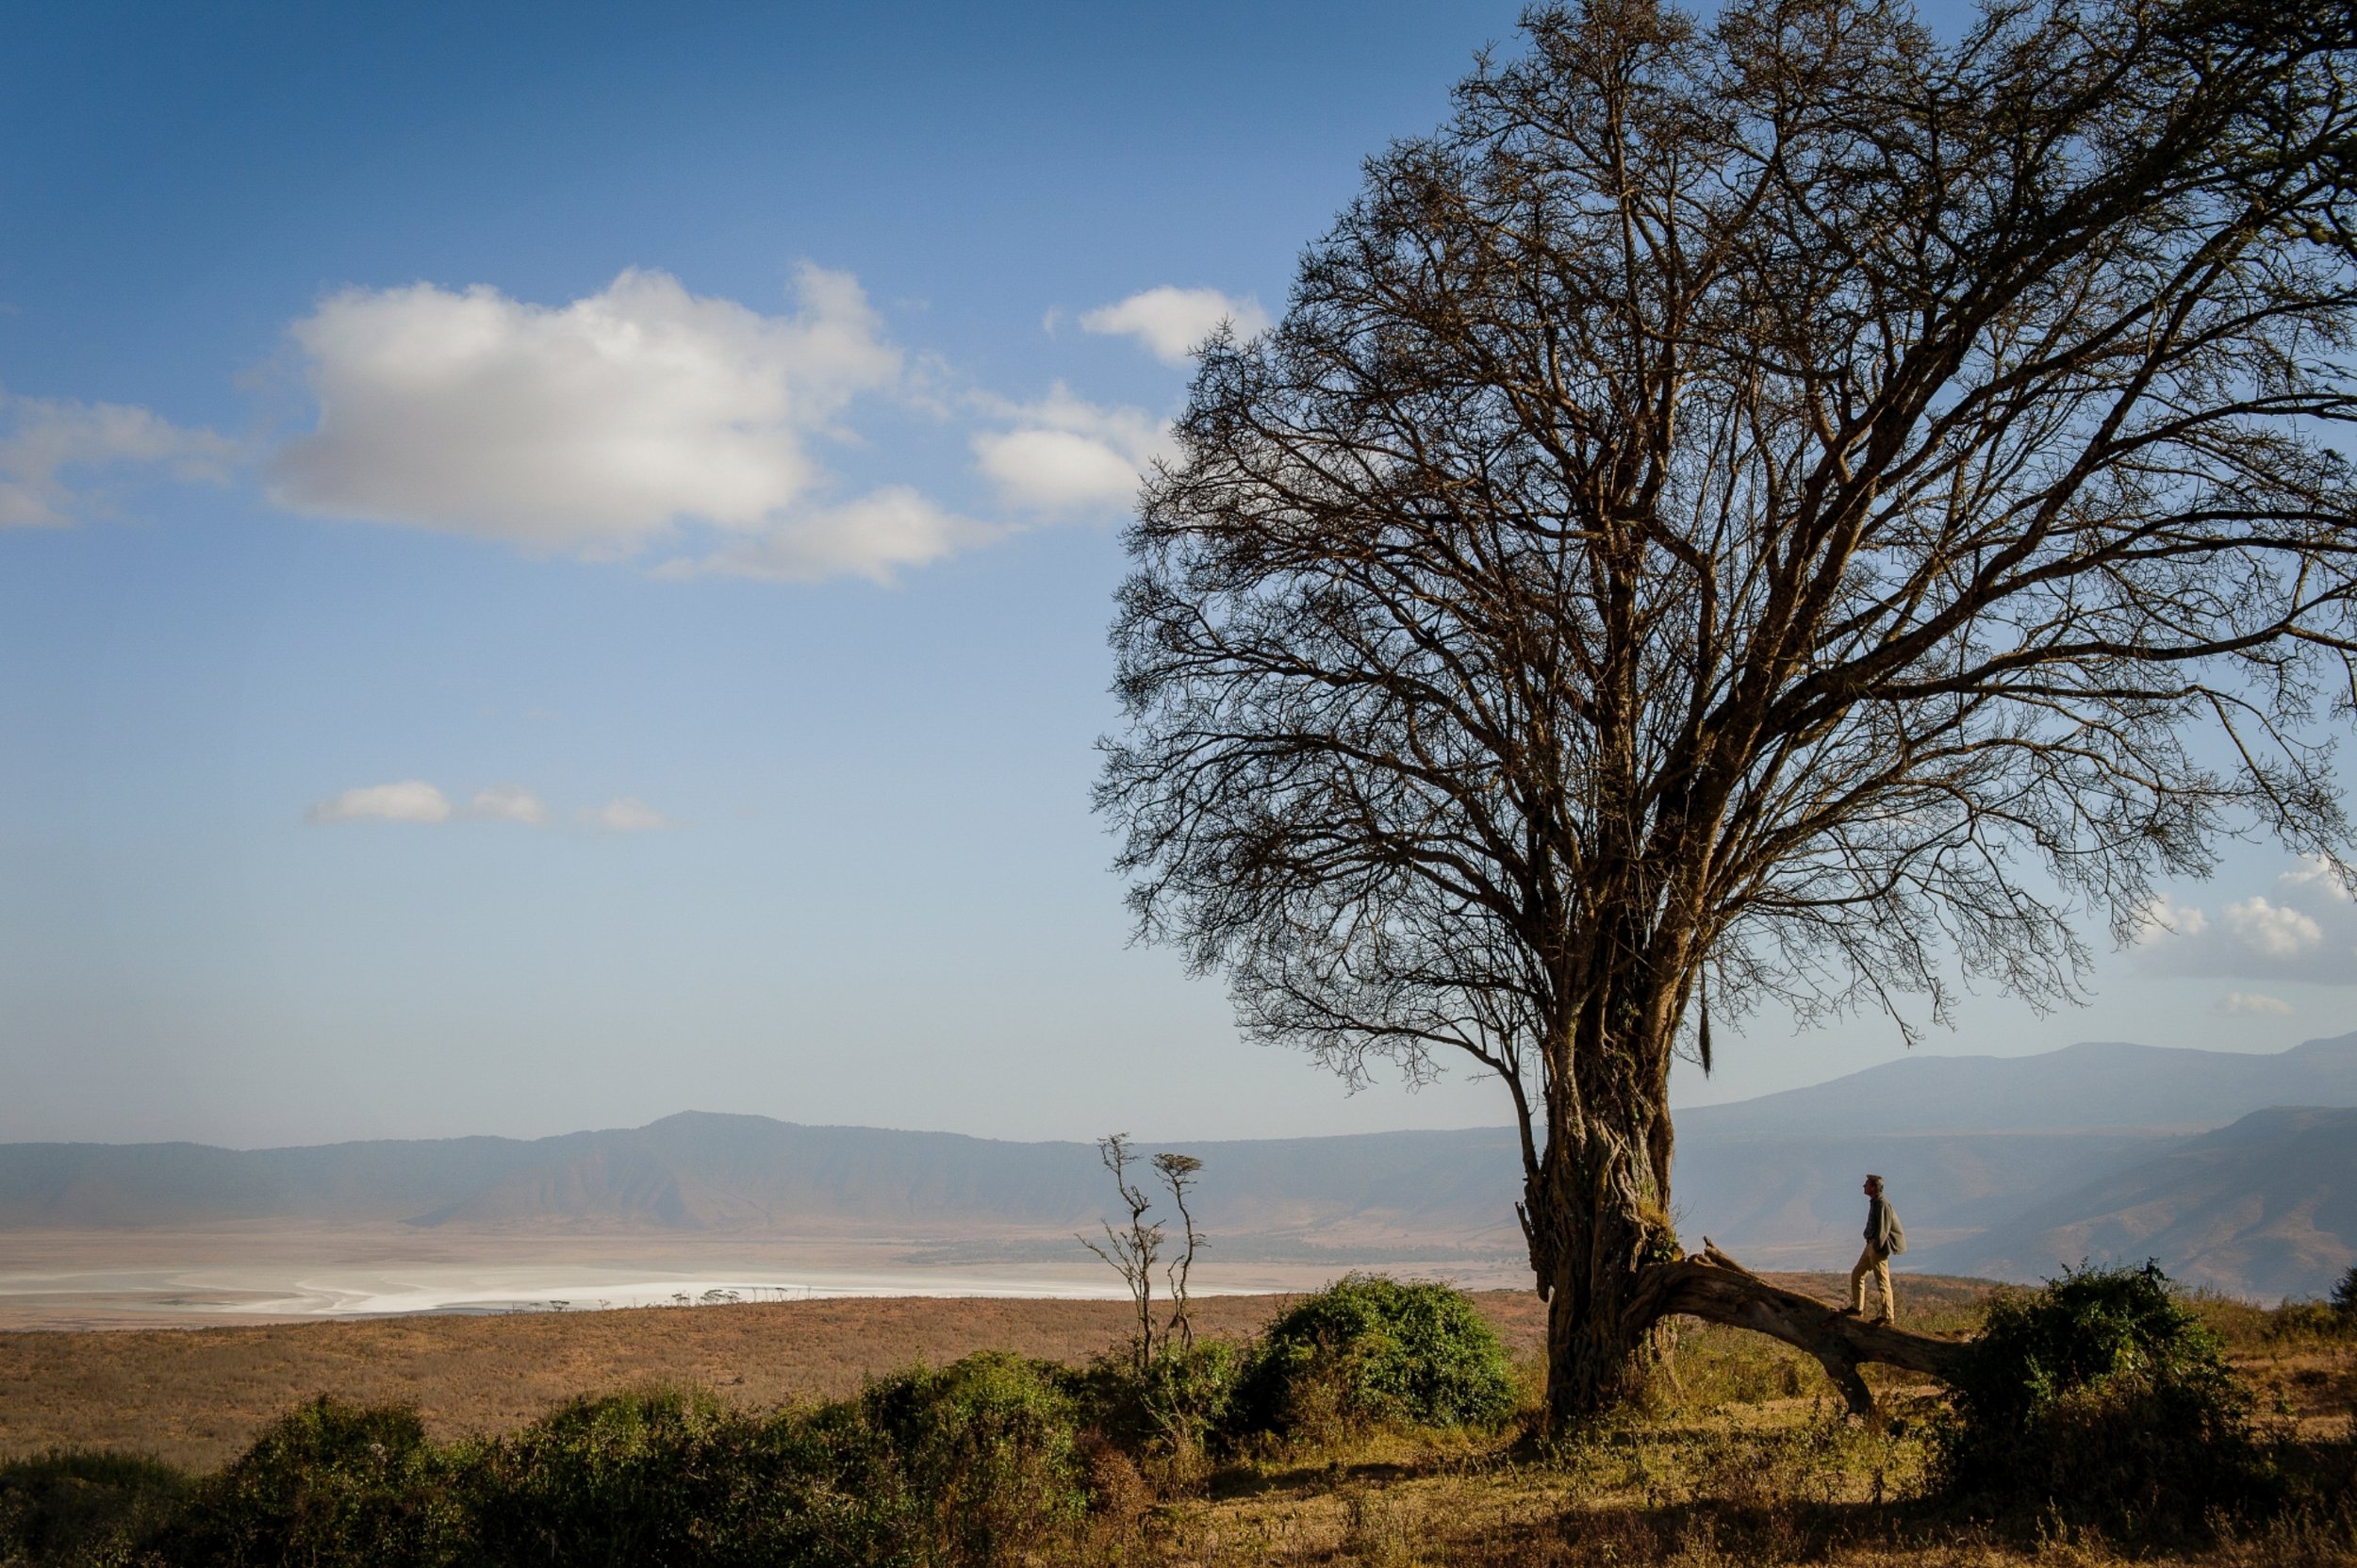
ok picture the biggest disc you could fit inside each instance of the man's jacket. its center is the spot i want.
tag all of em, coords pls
(1881, 1228)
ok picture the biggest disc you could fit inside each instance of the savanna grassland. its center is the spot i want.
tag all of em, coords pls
(1742, 1457)
(193, 1397)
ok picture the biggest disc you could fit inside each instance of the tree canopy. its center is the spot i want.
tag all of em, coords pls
(1779, 508)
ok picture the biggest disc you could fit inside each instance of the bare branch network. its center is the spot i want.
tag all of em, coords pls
(1780, 509)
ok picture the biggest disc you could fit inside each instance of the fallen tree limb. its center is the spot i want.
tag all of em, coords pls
(1714, 1287)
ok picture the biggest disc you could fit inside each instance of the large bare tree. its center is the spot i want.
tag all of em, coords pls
(1794, 508)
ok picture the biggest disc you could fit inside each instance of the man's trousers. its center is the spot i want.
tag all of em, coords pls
(1876, 1262)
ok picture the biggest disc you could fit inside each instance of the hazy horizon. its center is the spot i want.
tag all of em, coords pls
(1159, 1137)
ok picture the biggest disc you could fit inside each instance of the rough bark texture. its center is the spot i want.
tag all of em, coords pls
(1597, 1210)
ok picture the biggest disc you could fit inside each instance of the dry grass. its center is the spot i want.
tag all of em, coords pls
(1730, 1470)
(1747, 1461)
(194, 1396)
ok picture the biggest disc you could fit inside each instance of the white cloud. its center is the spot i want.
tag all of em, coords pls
(2165, 917)
(1066, 453)
(1172, 322)
(410, 801)
(624, 813)
(2251, 1004)
(595, 427)
(2271, 930)
(2306, 930)
(872, 536)
(1056, 468)
(416, 800)
(507, 805)
(53, 451)
(2313, 878)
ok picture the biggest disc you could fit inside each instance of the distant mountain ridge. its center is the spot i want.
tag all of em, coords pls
(709, 1171)
(1968, 1143)
(1995, 1162)
(2098, 1084)
(2266, 1206)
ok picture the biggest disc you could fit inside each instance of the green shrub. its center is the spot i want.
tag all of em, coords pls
(2345, 1294)
(1368, 1348)
(329, 1484)
(1179, 1408)
(1187, 1396)
(987, 1450)
(70, 1503)
(971, 1464)
(662, 1477)
(2103, 1399)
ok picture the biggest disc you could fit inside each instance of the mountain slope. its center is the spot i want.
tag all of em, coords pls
(1793, 1200)
(2099, 1084)
(2266, 1207)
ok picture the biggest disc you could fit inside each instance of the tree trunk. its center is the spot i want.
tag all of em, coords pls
(1610, 1268)
(1602, 1313)
(1598, 1221)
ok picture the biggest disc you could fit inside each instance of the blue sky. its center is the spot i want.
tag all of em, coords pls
(560, 559)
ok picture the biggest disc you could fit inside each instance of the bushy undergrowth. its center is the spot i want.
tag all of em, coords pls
(667, 1477)
(68, 1504)
(975, 1463)
(1368, 1348)
(326, 1477)
(990, 1460)
(2102, 1399)
(2099, 1406)
(987, 1454)
(1181, 1406)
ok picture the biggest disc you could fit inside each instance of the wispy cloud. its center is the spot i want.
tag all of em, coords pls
(624, 813)
(1171, 322)
(1064, 453)
(410, 801)
(508, 804)
(874, 537)
(2302, 928)
(2251, 1004)
(416, 800)
(58, 455)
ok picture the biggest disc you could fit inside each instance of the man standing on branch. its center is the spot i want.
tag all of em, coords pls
(1883, 1238)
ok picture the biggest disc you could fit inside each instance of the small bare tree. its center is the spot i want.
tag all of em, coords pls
(1134, 1249)
(1766, 507)
(1179, 1173)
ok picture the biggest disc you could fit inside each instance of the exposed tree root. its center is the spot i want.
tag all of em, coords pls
(1714, 1287)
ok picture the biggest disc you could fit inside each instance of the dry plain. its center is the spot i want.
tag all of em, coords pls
(1745, 1462)
(193, 1396)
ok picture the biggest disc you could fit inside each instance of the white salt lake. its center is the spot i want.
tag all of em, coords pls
(236, 1293)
